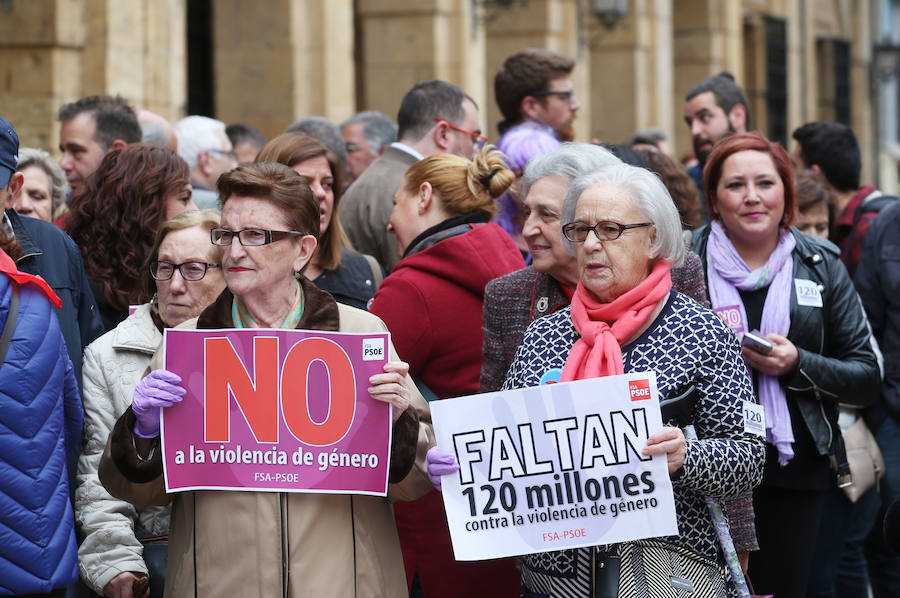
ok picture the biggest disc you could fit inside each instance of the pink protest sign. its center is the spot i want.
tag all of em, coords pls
(276, 410)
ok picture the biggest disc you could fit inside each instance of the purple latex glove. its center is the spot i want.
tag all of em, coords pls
(439, 463)
(159, 389)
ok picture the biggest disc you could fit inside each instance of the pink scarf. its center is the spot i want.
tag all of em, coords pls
(605, 326)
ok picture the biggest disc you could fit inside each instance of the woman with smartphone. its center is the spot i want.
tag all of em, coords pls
(804, 338)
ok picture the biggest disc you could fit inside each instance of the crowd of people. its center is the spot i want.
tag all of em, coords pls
(740, 274)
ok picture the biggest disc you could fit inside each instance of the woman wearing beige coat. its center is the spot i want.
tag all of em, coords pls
(260, 543)
(110, 555)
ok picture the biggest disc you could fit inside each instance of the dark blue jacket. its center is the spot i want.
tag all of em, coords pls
(51, 254)
(878, 282)
(40, 422)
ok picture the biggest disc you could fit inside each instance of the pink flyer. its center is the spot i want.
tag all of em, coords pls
(276, 410)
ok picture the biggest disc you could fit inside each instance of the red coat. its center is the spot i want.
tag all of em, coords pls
(432, 304)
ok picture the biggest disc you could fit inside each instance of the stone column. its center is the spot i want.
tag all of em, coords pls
(707, 39)
(56, 51)
(40, 48)
(283, 61)
(632, 72)
(403, 42)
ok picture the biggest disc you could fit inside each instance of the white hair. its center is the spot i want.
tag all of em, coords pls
(197, 134)
(651, 199)
(569, 162)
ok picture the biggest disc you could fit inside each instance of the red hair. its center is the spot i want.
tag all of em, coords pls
(741, 142)
(115, 216)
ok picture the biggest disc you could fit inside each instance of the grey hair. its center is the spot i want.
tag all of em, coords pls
(151, 132)
(325, 131)
(197, 134)
(32, 156)
(651, 199)
(378, 129)
(569, 162)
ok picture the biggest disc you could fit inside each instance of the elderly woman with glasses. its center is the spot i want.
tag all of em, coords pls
(266, 543)
(624, 231)
(350, 277)
(184, 276)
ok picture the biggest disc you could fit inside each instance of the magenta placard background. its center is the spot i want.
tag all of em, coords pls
(182, 424)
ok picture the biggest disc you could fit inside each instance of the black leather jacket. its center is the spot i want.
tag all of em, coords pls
(837, 363)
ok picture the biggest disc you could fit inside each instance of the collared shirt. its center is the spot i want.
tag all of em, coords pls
(405, 148)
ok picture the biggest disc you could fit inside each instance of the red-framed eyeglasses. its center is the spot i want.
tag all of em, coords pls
(480, 140)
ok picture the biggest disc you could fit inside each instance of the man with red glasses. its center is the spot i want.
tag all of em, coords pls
(534, 85)
(435, 117)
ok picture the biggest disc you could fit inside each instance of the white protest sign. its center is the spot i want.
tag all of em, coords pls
(554, 467)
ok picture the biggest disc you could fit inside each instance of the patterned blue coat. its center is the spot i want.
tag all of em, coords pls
(40, 420)
(686, 345)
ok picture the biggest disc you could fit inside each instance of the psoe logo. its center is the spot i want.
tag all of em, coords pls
(639, 390)
(372, 349)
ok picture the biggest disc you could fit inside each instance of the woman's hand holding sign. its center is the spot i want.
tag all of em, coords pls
(439, 463)
(160, 388)
(669, 442)
(392, 387)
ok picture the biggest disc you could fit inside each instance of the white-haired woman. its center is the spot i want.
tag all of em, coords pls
(625, 233)
(513, 301)
(44, 189)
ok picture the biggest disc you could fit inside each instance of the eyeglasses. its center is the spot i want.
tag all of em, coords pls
(164, 270)
(250, 237)
(230, 153)
(605, 230)
(480, 140)
(565, 96)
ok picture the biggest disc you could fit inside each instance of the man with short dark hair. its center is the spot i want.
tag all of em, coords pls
(246, 141)
(535, 85)
(366, 135)
(832, 149)
(434, 117)
(49, 253)
(714, 109)
(91, 127)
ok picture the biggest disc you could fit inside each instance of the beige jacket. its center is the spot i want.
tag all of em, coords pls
(113, 365)
(282, 544)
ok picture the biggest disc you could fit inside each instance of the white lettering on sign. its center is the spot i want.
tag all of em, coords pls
(373, 349)
(731, 315)
(809, 293)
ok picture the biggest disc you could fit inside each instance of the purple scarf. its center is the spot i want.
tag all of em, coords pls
(727, 274)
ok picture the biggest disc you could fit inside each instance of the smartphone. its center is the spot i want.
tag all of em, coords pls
(757, 342)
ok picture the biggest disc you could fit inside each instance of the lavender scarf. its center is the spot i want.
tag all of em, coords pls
(727, 274)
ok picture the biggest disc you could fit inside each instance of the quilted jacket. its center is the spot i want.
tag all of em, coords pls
(40, 420)
(113, 365)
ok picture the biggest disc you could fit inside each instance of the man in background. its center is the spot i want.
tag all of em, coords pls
(535, 85)
(203, 144)
(434, 117)
(366, 136)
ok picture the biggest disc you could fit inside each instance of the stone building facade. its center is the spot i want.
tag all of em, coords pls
(269, 63)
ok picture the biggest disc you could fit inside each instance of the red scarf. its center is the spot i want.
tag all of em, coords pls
(8, 267)
(605, 326)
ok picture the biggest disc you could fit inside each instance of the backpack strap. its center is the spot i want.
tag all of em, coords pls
(10, 326)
